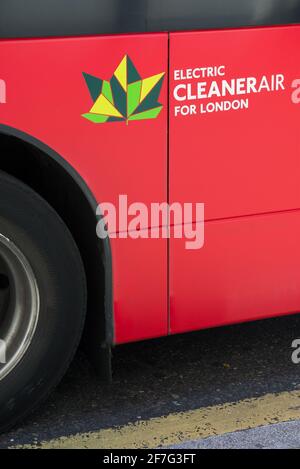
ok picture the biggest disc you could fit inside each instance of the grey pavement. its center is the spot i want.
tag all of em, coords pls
(276, 436)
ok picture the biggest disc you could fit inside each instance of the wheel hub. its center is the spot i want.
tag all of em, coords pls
(19, 305)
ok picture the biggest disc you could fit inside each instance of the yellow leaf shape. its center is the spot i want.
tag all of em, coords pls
(103, 106)
(121, 73)
(148, 84)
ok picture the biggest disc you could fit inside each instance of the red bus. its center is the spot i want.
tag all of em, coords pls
(148, 102)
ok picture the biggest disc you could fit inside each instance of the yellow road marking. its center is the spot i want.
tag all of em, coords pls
(190, 425)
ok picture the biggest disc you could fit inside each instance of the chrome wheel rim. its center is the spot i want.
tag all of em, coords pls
(19, 305)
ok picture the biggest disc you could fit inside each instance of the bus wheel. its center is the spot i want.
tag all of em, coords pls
(42, 299)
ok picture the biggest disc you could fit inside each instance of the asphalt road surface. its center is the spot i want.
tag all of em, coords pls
(169, 375)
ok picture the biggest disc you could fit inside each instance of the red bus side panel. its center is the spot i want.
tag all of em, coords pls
(238, 158)
(248, 269)
(46, 97)
(244, 161)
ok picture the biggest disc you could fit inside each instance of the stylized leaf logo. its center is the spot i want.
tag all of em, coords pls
(126, 97)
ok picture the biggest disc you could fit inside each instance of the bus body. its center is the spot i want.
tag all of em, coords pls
(222, 130)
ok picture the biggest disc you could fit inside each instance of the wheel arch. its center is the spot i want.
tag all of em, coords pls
(50, 175)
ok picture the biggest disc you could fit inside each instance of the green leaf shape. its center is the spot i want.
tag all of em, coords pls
(133, 96)
(150, 114)
(107, 91)
(126, 97)
(96, 118)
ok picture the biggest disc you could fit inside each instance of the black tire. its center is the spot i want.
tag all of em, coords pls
(28, 222)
